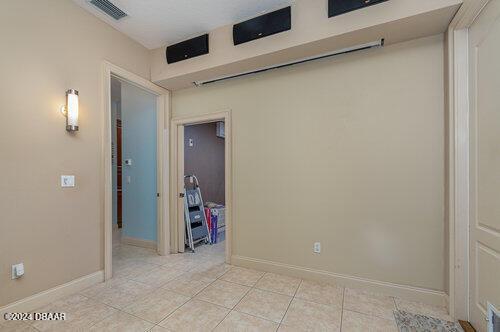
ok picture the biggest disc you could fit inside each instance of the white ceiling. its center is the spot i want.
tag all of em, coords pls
(155, 23)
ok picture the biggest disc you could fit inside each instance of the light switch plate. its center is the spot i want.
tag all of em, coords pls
(67, 181)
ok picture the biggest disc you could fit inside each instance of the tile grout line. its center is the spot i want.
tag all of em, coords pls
(275, 292)
(269, 291)
(259, 317)
(142, 297)
(170, 314)
(93, 299)
(289, 304)
(367, 314)
(114, 308)
(193, 297)
(120, 309)
(248, 291)
(231, 310)
(191, 270)
(342, 308)
(315, 302)
(190, 299)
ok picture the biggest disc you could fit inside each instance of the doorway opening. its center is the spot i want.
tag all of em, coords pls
(134, 163)
(135, 172)
(134, 175)
(204, 199)
(202, 170)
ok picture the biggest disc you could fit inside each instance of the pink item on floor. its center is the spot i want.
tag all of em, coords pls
(209, 221)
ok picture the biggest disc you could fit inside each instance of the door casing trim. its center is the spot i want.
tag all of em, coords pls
(457, 186)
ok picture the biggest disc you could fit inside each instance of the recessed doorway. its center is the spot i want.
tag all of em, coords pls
(134, 162)
(144, 167)
(201, 166)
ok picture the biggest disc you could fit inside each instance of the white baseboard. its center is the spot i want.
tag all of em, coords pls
(402, 291)
(138, 242)
(53, 294)
(446, 301)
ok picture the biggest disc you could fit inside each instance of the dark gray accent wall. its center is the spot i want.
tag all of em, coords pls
(205, 159)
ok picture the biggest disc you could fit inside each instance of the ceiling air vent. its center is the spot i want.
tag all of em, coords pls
(110, 9)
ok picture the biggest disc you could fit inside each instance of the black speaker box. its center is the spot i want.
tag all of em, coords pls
(262, 26)
(338, 7)
(187, 49)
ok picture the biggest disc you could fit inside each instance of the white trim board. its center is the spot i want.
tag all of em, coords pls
(53, 294)
(459, 181)
(458, 157)
(132, 241)
(410, 293)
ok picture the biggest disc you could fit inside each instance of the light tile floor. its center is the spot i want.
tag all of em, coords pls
(199, 292)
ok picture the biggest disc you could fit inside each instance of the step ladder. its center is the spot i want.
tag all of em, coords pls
(194, 213)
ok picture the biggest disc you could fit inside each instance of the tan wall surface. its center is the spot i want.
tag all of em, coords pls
(346, 151)
(48, 46)
(205, 159)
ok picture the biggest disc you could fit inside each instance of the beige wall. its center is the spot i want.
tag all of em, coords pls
(48, 46)
(346, 151)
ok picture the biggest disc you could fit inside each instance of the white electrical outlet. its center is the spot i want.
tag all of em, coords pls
(17, 270)
(67, 181)
(191, 142)
(317, 247)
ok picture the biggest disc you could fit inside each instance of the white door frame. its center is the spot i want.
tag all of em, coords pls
(177, 177)
(163, 115)
(458, 157)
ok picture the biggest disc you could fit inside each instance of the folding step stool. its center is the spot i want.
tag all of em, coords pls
(194, 213)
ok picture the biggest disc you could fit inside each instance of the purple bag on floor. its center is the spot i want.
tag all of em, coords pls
(213, 234)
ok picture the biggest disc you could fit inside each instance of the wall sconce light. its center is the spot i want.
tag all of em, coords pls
(70, 110)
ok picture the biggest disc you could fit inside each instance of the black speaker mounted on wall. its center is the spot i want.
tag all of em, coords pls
(187, 49)
(262, 26)
(338, 7)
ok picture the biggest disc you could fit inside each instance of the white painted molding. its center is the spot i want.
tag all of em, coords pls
(149, 244)
(467, 13)
(402, 291)
(458, 125)
(53, 294)
(450, 170)
(460, 240)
